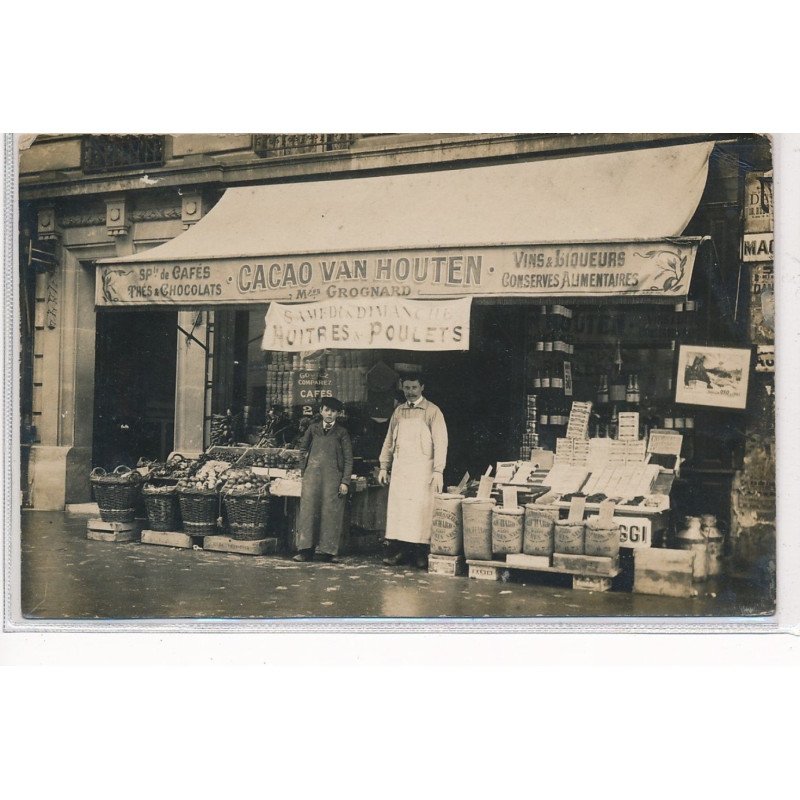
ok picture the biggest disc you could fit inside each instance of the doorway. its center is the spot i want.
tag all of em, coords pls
(481, 391)
(134, 399)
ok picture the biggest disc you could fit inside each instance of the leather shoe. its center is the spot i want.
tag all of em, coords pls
(395, 560)
(327, 558)
(303, 556)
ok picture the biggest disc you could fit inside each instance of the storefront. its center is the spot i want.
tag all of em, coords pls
(579, 280)
(518, 288)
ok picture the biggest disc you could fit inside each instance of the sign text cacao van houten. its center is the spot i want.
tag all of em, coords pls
(616, 269)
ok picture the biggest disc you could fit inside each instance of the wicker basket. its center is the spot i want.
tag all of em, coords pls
(116, 493)
(163, 511)
(248, 514)
(199, 511)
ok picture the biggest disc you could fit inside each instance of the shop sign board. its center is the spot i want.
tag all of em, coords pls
(310, 385)
(758, 247)
(635, 531)
(607, 269)
(392, 323)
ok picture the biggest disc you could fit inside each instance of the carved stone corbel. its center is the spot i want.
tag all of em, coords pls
(193, 207)
(117, 217)
(47, 229)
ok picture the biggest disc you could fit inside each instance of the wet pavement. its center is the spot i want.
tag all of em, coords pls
(67, 576)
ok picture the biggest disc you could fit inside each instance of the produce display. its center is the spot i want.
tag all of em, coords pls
(244, 481)
(229, 454)
(247, 504)
(176, 468)
(223, 429)
(272, 458)
(207, 478)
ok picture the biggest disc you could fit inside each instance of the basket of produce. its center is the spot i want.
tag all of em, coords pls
(161, 504)
(247, 502)
(168, 473)
(116, 493)
(199, 500)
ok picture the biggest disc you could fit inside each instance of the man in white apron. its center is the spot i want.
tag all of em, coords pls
(415, 449)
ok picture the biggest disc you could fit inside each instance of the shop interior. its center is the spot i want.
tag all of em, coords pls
(482, 422)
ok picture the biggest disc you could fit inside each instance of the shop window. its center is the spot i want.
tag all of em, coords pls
(110, 153)
(248, 381)
(367, 382)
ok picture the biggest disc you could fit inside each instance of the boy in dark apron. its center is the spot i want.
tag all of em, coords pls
(326, 484)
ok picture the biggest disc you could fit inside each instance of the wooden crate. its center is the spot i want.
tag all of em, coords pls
(99, 531)
(669, 573)
(522, 561)
(586, 565)
(593, 573)
(168, 538)
(486, 570)
(449, 566)
(252, 547)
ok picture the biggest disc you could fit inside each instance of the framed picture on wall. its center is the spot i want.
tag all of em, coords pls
(713, 376)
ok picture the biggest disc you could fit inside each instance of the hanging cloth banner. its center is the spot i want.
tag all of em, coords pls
(390, 323)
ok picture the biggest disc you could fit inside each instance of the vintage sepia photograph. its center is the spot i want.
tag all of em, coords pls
(396, 377)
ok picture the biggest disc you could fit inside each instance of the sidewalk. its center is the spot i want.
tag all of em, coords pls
(67, 576)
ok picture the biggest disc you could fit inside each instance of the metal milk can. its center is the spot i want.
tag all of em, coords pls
(692, 538)
(714, 542)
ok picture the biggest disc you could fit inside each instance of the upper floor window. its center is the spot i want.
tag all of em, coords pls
(110, 153)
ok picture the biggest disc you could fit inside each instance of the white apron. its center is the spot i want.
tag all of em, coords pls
(410, 510)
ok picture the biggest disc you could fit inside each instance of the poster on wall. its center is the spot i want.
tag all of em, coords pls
(765, 358)
(713, 376)
(758, 207)
(762, 304)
